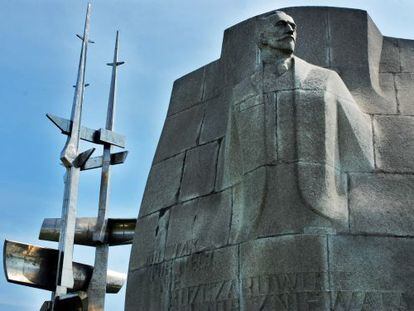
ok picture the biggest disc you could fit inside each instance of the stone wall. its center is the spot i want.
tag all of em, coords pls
(185, 255)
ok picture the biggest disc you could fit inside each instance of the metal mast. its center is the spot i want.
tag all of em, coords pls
(97, 286)
(72, 161)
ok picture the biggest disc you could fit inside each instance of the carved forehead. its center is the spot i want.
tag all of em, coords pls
(278, 16)
(284, 17)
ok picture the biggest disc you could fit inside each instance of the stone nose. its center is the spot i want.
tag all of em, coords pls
(290, 28)
(290, 32)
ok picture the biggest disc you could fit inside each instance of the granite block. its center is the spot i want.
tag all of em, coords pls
(199, 225)
(372, 273)
(199, 171)
(150, 238)
(206, 281)
(394, 143)
(151, 288)
(405, 92)
(216, 116)
(390, 58)
(387, 84)
(187, 91)
(381, 204)
(406, 54)
(180, 132)
(276, 276)
(239, 51)
(214, 80)
(163, 185)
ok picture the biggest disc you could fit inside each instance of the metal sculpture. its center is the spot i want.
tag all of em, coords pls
(76, 286)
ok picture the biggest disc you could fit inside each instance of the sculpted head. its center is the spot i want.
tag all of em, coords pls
(279, 34)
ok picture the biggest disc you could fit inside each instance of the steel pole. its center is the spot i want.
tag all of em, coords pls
(64, 273)
(96, 290)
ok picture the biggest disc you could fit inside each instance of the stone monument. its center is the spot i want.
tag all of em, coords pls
(283, 178)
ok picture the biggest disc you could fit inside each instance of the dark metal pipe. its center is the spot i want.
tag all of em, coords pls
(35, 266)
(117, 231)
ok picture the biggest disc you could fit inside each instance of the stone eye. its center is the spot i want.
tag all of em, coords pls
(280, 23)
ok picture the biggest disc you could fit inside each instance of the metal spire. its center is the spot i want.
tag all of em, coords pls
(70, 151)
(72, 160)
(96, 290)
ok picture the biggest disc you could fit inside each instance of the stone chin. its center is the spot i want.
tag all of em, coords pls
(285, 45)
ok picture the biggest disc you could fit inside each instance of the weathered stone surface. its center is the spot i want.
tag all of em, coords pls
(151, 288)
(394, 143)
(357, 43)
(405, 92)
(215, 118)
(199, 171)
(187, 91)
(272, 82)
(387, 84)
(313, 44)
(180, 132)
(206, 281)
(268, 202)
(219, 184)
(390, 58)
(339, 47)
(356, 150)
(296, 191)
(162, 185)
(372, 273)
(285, 113)
(248, 90)
(314, 144)
(199, 225)
(406, 55)
(214, 80)
(251, 137)
(239, 51)
(381, 204)
(323, 190)
(275, 275)
(251, 125)
(150, 250)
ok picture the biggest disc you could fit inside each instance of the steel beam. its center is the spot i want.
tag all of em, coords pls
(100, 136)
(96, 162)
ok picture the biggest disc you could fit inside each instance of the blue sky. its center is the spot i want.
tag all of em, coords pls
(159, 41)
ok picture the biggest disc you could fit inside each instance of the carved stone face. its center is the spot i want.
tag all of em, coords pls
(280, 33)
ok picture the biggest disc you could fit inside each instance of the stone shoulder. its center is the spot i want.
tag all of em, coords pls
(318, 76)
(321, 78)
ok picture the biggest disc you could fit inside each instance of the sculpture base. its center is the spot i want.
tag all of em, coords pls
(289, 272)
